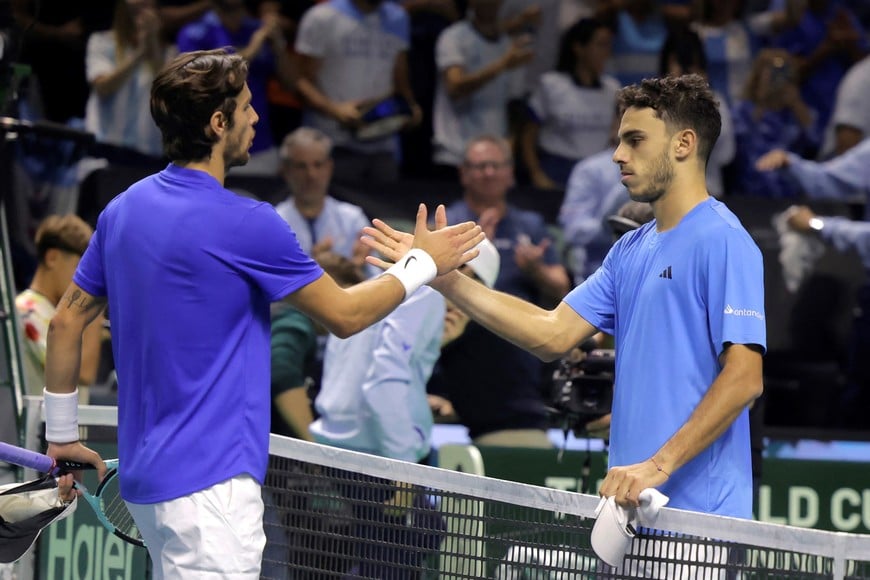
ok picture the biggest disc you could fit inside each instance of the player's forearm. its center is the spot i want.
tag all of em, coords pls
(365, 304)
(91, 347)
(63, 356)
(733, 390)
(517, 321)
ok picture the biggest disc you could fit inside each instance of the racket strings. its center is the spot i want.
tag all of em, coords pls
(116, 510)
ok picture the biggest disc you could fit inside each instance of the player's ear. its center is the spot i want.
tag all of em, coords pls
(217, 123)
(685, 143)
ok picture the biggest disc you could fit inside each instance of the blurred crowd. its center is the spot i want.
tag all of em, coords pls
(482, 95)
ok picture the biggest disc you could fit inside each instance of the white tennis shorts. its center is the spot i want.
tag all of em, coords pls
(213, 533)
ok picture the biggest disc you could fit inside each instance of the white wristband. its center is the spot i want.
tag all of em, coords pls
(415, 269)
(61, 416)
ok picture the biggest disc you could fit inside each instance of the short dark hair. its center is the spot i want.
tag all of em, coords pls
(187, 92)
(68, 233)
(681, 102)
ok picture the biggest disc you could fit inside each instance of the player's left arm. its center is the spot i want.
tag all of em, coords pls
(75, 311)
(737, 385)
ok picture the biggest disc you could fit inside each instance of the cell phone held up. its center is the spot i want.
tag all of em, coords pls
(781, 74)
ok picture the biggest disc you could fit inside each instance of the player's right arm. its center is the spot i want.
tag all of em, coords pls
(548, 334)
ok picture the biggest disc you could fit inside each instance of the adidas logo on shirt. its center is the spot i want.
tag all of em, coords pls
(666, 273)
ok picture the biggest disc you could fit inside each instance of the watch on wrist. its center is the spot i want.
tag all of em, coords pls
(816, 224)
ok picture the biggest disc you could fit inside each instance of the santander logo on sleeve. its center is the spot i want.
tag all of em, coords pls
(743, 312)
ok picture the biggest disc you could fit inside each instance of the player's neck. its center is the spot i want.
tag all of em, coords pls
(681, 197)
(213, 165)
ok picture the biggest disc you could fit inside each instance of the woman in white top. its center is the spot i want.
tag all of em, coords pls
(572, 109)
(120, 66)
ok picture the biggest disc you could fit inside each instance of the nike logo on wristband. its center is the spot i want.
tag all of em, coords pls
(408, 261)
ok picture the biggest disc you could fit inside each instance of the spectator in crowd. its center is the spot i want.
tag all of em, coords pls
(285, 104)
(176, 14)
(494, 386)
(484, 269)
(594, 192)
(54, 34)
(538, 19)
(846, 235)
(641, 28)
(572, 108)
(479, 75)
(354, 54)
(297, 357)
(60, 243)
(729, 45)
(428, 18)
(262, 44)
(121, 64)
(850, 120)
(683, 53)
(318, 219)
(530, 266)
(844, 177)
(826, 39)
(771, 115)
(294, 355)
(374, 400)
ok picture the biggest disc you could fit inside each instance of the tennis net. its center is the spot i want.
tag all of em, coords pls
(332, 513)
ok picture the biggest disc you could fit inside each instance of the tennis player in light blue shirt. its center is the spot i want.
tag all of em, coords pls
(684, 299)
(658, 295)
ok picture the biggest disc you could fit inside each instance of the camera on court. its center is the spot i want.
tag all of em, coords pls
(582, 387)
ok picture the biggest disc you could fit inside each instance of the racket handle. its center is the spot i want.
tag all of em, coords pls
(66, 465)
(38, 461)
(26, 458)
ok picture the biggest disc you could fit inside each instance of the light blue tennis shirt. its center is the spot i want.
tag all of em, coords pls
(189, 269)
(672, 300)
(373, 398)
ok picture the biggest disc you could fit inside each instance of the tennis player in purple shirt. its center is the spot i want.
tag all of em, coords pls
(188, 270)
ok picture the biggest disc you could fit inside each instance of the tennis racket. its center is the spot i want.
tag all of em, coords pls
(106, 502)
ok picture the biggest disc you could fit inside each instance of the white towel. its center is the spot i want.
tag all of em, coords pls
(615, 526)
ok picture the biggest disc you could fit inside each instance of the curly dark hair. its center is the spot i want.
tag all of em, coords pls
(187, 92)
(682, 102)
